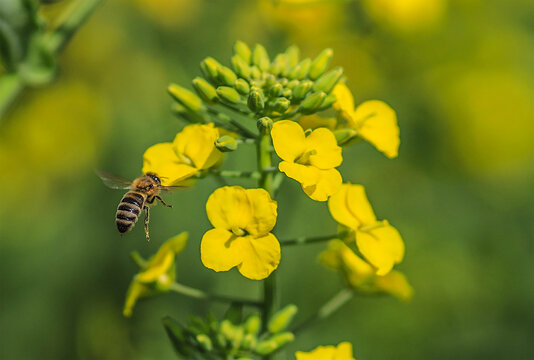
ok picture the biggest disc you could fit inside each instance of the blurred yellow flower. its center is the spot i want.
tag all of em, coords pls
(243, 219)
(378, 241)
(191, 151)
(311, 160)
(315, 121)
(157, 274)
(361, 276)
(374, 120)
(342, 352)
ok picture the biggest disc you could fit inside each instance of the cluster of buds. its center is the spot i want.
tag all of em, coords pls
(258, 87)
(212, 339)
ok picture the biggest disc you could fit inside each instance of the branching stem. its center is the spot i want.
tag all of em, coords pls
(199, 294)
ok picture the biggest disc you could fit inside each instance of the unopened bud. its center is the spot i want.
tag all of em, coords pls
(264, 124)
(226, 76)
(292, 84)
(292, 54)
(249, 341)
(204, 342)
(282, 319)
(256, 102)
(320, 64)
(301, 90)
(312, 103)
(328, 80)
(276, 90)
(240, 67)
(242, 86)
(255, 72)
(328, 101)
(279, 105)
(228, 94)
(226, 143)
(270, 80)
(209, 67)
(304, 67)
(274, 343)
(243, 51)
(205, 90)
(185, 97)
(281, 64)
(343, 136)
(287, 93)
(260, 58)
(253, 323)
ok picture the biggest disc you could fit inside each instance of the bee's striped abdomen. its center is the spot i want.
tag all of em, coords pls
(129, 210)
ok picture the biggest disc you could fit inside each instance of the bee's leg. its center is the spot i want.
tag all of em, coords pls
(163, 202)
(147, 219)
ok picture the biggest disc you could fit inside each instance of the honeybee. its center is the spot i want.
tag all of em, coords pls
(144, 191)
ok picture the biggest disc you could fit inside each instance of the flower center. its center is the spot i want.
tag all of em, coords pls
(237, 231)
(185, 159)
(304, 159)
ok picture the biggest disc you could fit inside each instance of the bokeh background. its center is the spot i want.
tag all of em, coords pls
(458, 72)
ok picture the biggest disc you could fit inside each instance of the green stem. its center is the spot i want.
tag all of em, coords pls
(199, 294)
(11, 85)
(241, 174)
(311, 240)
(328, 308)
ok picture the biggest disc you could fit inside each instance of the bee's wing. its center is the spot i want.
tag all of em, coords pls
(113, 181)
(171, 188)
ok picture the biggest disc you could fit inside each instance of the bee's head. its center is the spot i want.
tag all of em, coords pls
(154, 177)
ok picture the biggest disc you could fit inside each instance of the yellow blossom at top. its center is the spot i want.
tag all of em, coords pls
(157, 274)
(311, 160)
(191, 151)
(378, 241)
(373, 120)
(243, 219)
(361, 276)
(341, 352)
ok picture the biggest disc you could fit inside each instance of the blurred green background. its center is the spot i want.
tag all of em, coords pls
(459, 74)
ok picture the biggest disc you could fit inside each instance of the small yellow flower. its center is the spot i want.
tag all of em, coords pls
(191, 151)
(342, 352)
(311, 160)
(157, 274)
(243, 219)
(361, 276)
(378, 241)
(374, 120)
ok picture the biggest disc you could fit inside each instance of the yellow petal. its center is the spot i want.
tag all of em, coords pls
(326, 152)
(229, 208)
(304, 174)
(156, 269)
(382, 246)
(345, 100)
(260, 256)
(328, 183)
(263, 212)
(319, 353)
(344, 351)
(135, 291)
(221, 250)
(359, 206)
(396, 284)
(288, 140)
(315, 121)
(196, 143)
(339, 208)
(162, 160)
(376, 122)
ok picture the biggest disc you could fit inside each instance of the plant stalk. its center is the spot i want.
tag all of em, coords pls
(199, 294)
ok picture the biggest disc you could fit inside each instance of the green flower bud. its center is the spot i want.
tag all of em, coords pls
(283, 81)
(242, 86)
(227, 329)
(270, 80)
(274, 343)
(328, 101)
(276, 90)
(283, 339)
(264, 124)
(275, 68)
(281, 64)
(320, 63)
(240, 67)
(292, 84)
(204, 342)
(279, 105)
(226, 76)
(243, 51)
(185, 114)
(253, 323)
(328, 80)
(209, 67)
(312, 103)
(221, 340)
(282, 319)
(304, 67)
(185, 97)
(205, 90)
(256, 102)
(343, 136)
(228, 94)
(249, 341)
(226, 143)
(287, 93)
(260, 58)
(301, 90)
(255, 72)
(292, 54)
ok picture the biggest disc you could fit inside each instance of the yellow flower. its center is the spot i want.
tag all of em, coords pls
(374, 120)
(311, 160)
(315, 121)
(342, 352)
(378, 241)
(243, 219)
(361, 276)
(191, 151)
(157, 274)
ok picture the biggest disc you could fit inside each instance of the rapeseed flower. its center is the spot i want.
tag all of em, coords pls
(192, 151)
(311, 160)
(341, 352)
(157, 274)
(378, 241)
(374, 120)
(243, 219)
(361, 276)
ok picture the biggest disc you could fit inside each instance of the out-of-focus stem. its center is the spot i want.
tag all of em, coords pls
(199, 294)
(311, 240)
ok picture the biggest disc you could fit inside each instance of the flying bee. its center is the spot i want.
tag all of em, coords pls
(143, 192)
